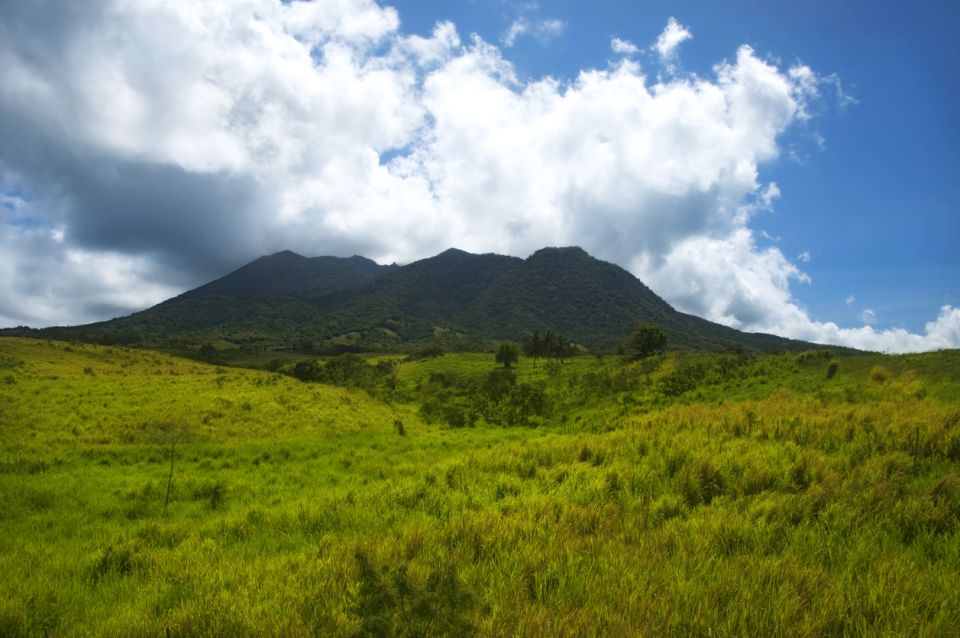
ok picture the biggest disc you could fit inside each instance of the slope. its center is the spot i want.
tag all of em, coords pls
(454, 300)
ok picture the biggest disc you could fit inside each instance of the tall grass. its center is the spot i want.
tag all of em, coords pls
(762, 498)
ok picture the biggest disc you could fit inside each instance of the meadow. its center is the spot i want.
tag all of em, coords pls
(686, 494)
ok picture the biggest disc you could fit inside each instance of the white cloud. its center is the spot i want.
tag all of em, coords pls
(551, 28)
(40, 270)
(804, 256)
(941, 333)
(623, 47)
(433, 50)
(543, 30)
(673, 35)
(850, 300)
(517, 28)
(868, 317)
(238, 129)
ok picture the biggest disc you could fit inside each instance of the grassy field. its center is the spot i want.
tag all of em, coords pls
(713, 495)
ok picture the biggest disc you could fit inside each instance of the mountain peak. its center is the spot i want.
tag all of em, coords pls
(289, 274)
(560, 251)
(453, 252)
(284, 254)
(456, 298)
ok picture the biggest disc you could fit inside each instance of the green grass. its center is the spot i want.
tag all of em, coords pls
(683, 495)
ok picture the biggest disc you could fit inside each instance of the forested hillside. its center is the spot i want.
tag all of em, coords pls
(455, 301)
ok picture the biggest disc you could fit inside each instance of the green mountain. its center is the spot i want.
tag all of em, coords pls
(287, 274)
(452, 300)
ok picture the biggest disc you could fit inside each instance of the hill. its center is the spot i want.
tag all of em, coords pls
(688, 494)
(454, 300)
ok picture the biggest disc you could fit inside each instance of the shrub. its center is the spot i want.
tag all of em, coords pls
(701, 483)
(507, 354)
(832, 369)
(392, 603)
(810, 356)
(664, 508)
(683, 379)
(306, 370)
(879, 374)
(207, 352)
(121, 558)
(646, 340)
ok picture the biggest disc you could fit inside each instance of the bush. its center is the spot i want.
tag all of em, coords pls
(879, 375)
(392, 603)
(683, 379)
(811, 356)
(306, 370)
(832, 369)
(507, 354)
(207, 352)
(701, 483)
(121, 559)
(664, 508)
(646, 340)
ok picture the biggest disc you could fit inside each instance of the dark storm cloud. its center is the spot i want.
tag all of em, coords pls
(195, 221)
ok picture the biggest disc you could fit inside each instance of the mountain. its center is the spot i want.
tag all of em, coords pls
(287, 274)
(454, 300)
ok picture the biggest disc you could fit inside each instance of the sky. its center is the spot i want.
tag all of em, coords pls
(789, 168)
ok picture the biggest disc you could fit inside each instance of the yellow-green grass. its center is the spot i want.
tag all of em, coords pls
(764, 499)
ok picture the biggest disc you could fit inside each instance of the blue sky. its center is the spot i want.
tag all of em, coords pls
(789, 169)
(878, 206)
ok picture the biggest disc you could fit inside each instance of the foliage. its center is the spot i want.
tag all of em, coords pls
(646, 340)
(391, 603)
(548, 345)
(507, 354)
(207, 352)
(454, 301)
(763, 499)
(832, 369)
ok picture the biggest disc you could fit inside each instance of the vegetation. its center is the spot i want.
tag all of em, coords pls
(720, 494)
(507, 354)
(646, 340)
(454, 301)
(548, 346)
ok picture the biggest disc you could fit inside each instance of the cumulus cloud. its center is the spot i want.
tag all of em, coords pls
(40, 270)
(543, 30)
(623, 47)
(943, 332)
(150, 147)
(868, 317)
(673, 35)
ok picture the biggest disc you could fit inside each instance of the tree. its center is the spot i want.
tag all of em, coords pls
(533, 346)
(563, 348)
(207, 352)
(646, 340)
(549, 345)
(507, 354)
(306, 370)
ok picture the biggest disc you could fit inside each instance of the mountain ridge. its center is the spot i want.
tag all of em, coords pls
(454, 300)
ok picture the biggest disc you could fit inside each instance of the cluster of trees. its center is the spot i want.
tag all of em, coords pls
(347, 370)
(645, 340)
(549, 345)
(499, 398)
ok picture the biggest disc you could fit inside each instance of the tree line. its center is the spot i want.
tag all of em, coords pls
(645, 340)
(548, 345)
